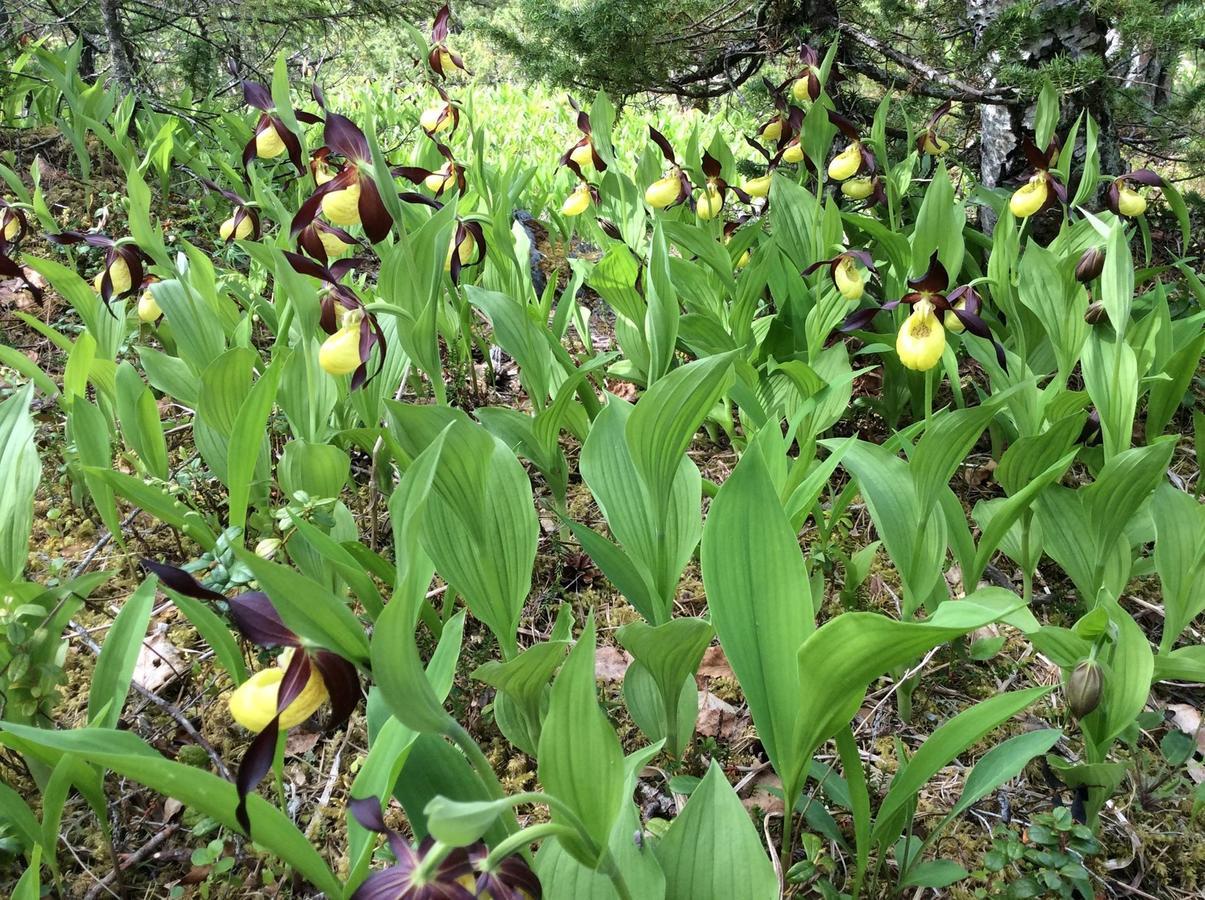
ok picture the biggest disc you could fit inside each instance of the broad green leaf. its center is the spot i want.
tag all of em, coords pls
(1117, 279)
(1004, 761)
(712, 851)
(760, 600)
(580, 760)
(247, 443)
(20, 472)
(1127, 682)
(118, 655)
(670, 652)
(522, 684)
(662, 312)
(1179, 559)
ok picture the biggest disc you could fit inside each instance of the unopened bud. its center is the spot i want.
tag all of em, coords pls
(267, 548)
(1095, 313)
(1083, 688)
(610, 229)
(1090, 265)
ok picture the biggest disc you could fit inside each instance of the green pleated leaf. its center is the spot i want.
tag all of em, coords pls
(712, 850)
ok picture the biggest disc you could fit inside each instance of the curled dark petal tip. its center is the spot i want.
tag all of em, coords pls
(1144, 176)
(179, 581)
(257, 620)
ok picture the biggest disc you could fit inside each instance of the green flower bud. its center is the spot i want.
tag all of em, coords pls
(1083, 688)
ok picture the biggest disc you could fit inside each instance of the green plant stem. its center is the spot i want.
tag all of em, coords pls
(616, 875)
(489, 779)
(929, 398)
(521, 839)
(789, 793)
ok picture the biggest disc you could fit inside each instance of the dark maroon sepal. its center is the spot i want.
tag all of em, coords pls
(663, 143)
(257, 96)
(1144, 176)
(935, 278)
(844, 125)
(257, 620)
(180, 581)
(345, 138)
(374, 216)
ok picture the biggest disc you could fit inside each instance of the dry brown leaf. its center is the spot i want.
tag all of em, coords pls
(715, 664)
(718, 719)
(299, 742)
(761, 797)
(610, 664)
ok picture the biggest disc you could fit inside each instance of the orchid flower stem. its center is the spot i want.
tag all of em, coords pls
(929, 398)
(430, 861)
(481, 765)
(520, 840)
(278, 765)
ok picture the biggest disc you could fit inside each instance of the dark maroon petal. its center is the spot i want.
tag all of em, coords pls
(864, 258)
(435, 61)
(256, 618)
(254, 766)
(291, 142)
(844, 125)
(439, 27)
(257, 96)
(711, 165)
(412, 173)
(816, 265)
(388, 884)
(66, 238)
(1058, 189)
(474, 228)
(935, 277)
(1144, 176)
(249, 152)
(307, 118)
(1113, 198)
(180, 581)
(367, 812)
(341, 267)
(868, 165)
(938, 114)
(345, 138)
(132, 257)
(373, 215)
(972, 322)
(813, 85)
(859, 319)
(583, 122)
(229, 195)
(305, 266)
(661, 141)
(1036, 157)
(759, 148)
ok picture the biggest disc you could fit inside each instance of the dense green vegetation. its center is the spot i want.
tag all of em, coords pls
(786, 487)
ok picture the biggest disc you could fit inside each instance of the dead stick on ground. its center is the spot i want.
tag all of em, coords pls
(131, 860)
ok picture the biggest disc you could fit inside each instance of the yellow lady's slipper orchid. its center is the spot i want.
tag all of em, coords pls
(799, 90)
(227, 228)
(1129, 201)
(441, 180)
(435, 118)
(793, 152)
(772, 130)
(858, 188)
(1030, 197)
(757, 187)
(710, 204)
(846, 163)
(340, 353)
(934, 144)
(334, 245)
(744, 260)
(583, 155)
(253, 703)
(921, 339)
(119, 275)
(468, 245)
(322, 174)
(10, 229)
(268, 144)
(576, 203)
(952, 322)
(148, 309)
(664, 191)
(848, 279)
(343, 207)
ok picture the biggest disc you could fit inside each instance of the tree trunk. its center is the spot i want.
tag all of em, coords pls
(119, 50)
(1075, 31)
